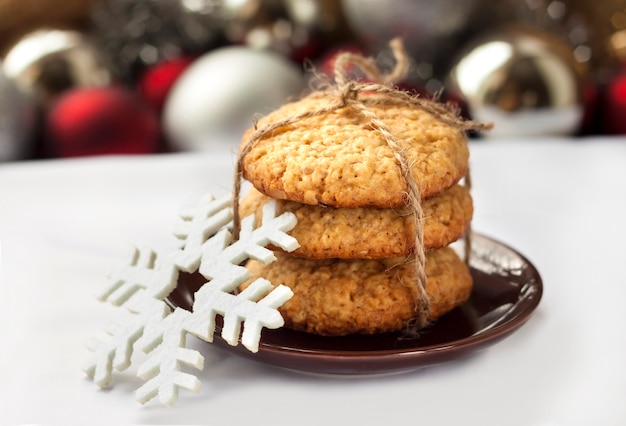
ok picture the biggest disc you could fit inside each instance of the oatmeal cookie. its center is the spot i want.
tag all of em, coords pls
(370, 233)
(338, 159)
(338, 297)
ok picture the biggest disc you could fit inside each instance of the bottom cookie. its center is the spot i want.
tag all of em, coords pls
(335, 297)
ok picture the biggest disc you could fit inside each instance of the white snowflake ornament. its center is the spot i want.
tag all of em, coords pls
(143, 285)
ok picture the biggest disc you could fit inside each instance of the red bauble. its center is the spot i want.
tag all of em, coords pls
(591, 109)
(99, 121)
(326, 63)
(613, 108)
(155, 83)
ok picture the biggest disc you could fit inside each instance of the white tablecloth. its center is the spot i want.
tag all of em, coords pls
(560, 202)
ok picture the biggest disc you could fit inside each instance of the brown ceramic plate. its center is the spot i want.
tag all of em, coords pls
(507, 289)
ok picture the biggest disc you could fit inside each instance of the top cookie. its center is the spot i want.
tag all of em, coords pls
(338, 159)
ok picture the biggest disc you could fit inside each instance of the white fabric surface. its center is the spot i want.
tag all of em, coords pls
(560, 202)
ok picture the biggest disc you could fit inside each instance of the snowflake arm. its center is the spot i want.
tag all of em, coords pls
(252, 240)
(162, 369)
(265, 313)
(115, 352)
(198, 225)
(142, 285)
(141, 273)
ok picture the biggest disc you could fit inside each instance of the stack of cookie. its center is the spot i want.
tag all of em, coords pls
(354, 271)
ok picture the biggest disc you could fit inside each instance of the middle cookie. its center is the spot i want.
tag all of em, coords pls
(370, 233)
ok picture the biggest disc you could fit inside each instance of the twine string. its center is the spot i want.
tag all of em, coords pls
(414, 201)
(348, 93)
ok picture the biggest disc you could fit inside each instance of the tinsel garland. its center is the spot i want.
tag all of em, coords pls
(134, 34)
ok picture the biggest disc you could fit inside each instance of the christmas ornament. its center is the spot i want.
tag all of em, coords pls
(524, 81)
(613, 105)
(590, 123)
(156, 81)
(102, 120)
(326, 62)
(48, 62)
(134, 34)
(22, 16)
(161, 332)
(17, 117)
(411, 82)
(298, 29)
(564, 19)
(375, 22)
(217, 97)
(428, 29)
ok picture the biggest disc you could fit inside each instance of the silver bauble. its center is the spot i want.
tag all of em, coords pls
(17, 117)
(526, 82)
(47, 62)
(217, 97)
(418, 22)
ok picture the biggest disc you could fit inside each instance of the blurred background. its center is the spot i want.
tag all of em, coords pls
(97, 77)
